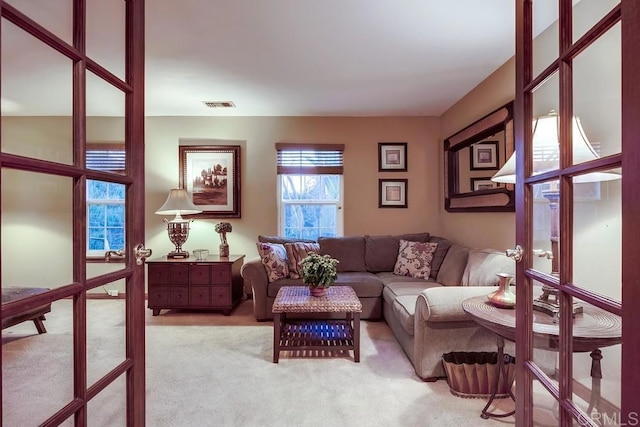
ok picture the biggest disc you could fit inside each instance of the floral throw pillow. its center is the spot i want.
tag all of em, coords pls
(414, 259)
(296, 252)
(274, 259)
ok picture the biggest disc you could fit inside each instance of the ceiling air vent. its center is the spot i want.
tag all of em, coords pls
(219, 104)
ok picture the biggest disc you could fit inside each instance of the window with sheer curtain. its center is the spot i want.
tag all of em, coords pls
(310, 188)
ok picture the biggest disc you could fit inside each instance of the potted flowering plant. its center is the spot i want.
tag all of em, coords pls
(318, 272)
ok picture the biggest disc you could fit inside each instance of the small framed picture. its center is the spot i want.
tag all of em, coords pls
(483, 184)
(392, 156)
(484, 156)
(392, 193)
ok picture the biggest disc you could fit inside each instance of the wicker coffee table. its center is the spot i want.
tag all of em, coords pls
(316, 334)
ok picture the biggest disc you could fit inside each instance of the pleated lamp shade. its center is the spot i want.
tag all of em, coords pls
(178, 203)
(546, 152)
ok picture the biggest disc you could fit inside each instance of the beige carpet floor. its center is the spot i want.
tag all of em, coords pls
(207, 369)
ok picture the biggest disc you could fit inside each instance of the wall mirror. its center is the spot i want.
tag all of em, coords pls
(472, 156)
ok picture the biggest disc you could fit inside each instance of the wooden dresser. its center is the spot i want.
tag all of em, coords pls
(213, 283)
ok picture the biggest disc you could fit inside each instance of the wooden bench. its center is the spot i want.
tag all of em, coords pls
(36, 314)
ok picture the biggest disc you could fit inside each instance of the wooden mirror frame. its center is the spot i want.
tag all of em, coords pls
(491, 200)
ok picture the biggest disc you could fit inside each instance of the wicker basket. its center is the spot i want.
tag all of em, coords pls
(473, 374)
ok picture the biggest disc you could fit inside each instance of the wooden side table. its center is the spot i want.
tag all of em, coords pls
(213, 283)
(593, 329)
(306, 334)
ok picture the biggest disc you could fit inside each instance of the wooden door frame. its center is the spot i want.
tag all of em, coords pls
(135, 295)
(133, 366)
(630, 210)
(522, 136)
(629, 13)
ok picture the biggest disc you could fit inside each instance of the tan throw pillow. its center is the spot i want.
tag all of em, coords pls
(414, 259)
(274, 259)
(296, 252)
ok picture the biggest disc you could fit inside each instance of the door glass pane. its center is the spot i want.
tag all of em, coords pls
(586, 13)
(36, 98)
(105, 334)
(545, 357)
(597, 235)
(545, 149)
(597, 364)
(545, 407)
(597, 98)
(95, 269)
(108, 407)
(54, 15)
(545, 336)
(37, 223)
(105, 110)
(545, 34)
(106, 34)
(37, 369)
(546, 242)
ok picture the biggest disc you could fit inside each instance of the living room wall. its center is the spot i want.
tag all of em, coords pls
(34, 212)
(257, 137)
(488, 229)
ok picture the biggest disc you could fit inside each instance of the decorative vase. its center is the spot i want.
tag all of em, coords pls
(224, 250)
(317, 292)
(503, 297)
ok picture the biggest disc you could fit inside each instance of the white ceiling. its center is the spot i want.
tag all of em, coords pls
(274, 57)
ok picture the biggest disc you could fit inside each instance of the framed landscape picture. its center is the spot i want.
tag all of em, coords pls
(211, 175)
(392, 193)
(392, 156)
(484, 156)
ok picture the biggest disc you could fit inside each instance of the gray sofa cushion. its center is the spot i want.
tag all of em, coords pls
(444, 304)
(401, 298)
(388, 278)
(381, 252)
(396, 289)
(365, 284)
(404, 309)
(483, 265)
(439, 254)
(348, 250)
(453, 266)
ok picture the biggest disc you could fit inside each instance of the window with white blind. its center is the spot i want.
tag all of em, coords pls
(105, 201)
(310, 188)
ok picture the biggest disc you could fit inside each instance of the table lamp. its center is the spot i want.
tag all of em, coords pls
(546, 156)
(178, 203)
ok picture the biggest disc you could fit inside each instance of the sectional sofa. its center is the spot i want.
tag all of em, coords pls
(425, 314)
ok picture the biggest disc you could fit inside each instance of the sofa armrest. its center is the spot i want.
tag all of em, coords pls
(441, 325)
(254, 273)
(444, 304)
